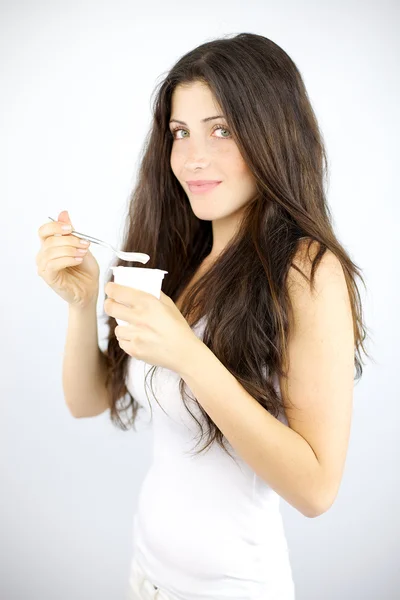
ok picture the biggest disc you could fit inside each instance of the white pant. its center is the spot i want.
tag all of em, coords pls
(141, 588)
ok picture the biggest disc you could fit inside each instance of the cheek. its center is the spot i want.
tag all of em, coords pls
(244, 180)
(239, 164)
(240, 171)
(176, 160)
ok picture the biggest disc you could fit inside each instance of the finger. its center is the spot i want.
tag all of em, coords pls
(123, 332)
(127, 347)
(53, 228)
(57, 258)
(119, 311)
(166, 299)
(65, 240)
(127, 295)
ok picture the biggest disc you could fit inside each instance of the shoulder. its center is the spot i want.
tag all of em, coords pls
(326, 291)
(323, 304)
(326, 268)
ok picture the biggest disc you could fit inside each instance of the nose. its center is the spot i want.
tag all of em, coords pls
(197, 153)
(196, 159)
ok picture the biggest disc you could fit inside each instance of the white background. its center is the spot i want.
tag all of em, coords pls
(76, 83)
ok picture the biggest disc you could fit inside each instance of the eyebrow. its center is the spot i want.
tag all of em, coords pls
(203, 120)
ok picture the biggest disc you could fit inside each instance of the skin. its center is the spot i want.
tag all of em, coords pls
(200, 151)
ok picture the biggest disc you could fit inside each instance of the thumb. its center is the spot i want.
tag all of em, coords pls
(63, 217)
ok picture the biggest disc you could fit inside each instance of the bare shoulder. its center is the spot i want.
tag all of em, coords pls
(327, 267)
(326, 300)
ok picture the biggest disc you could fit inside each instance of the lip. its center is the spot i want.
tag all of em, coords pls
(202, 181)
(202, 189)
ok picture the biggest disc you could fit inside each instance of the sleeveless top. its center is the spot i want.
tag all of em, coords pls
(206, 526)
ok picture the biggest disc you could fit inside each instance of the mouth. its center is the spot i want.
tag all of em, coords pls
(204, 187)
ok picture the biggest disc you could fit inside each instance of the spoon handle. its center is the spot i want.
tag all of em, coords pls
(84, 236)
(128, 256)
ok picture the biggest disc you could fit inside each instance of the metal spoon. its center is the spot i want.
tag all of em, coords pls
(128, 256)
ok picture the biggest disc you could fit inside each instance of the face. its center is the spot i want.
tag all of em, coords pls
(208, 151)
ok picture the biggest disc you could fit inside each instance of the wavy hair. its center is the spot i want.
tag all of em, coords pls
(243, 293)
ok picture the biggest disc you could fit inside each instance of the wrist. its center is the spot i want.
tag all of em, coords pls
(88, 307)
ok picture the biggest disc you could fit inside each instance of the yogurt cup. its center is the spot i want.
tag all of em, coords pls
(147, 280)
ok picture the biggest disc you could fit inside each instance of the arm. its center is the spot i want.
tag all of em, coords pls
(84, 364)
(304, 462)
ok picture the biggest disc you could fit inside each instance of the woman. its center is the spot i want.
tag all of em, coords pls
(260, 318)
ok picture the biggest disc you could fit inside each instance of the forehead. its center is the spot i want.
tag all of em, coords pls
(194, 101)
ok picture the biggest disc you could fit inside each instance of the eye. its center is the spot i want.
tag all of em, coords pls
(176, 129)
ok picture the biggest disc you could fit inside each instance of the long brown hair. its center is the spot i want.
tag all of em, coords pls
(243, 294)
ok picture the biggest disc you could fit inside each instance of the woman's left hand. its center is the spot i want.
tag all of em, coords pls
(157, 332)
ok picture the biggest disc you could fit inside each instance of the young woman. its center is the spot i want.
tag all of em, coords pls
(253, 343)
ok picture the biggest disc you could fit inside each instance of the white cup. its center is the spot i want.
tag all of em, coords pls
(147, 280)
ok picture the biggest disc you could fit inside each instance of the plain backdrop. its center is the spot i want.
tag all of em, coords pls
(76, 82)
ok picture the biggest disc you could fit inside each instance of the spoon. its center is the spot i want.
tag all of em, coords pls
(128, 256)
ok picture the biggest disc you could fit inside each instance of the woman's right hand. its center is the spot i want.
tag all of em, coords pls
(76, 282)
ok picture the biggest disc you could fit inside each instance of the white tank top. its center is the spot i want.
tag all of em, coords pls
(206, 527)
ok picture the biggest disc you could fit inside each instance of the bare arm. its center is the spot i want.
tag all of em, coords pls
(304, 462)
(84, 364)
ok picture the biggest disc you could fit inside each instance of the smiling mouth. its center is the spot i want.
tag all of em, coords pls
(205, 187)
